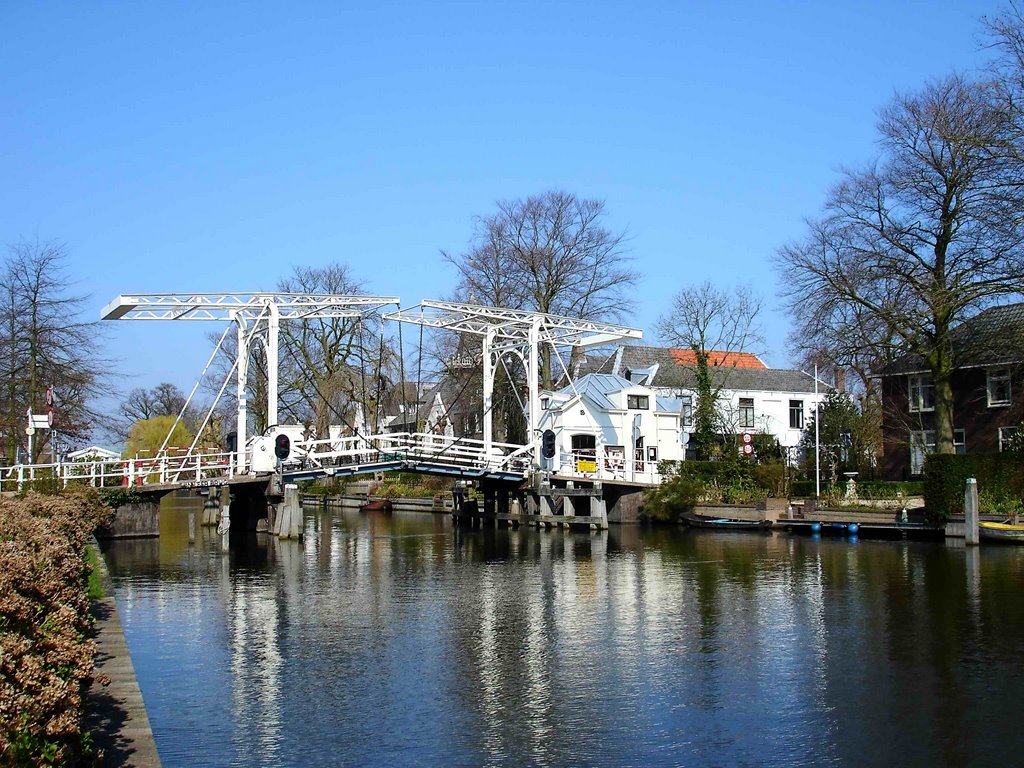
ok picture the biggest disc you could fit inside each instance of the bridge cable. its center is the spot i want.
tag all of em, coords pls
(191, 394)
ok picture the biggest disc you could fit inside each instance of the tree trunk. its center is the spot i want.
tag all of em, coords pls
(942, 372)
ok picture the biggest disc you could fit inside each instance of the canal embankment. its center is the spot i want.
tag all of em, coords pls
(115, 711)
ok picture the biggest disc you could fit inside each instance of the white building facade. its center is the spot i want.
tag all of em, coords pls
(608, 428)
(753, 398)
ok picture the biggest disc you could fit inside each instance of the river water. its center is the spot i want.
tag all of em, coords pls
(398, 640)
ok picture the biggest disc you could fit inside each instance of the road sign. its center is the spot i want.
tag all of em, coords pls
(30, 431)
(49, 397)
(748, 449)
(39, 421)
(49, 417)
(747, 438)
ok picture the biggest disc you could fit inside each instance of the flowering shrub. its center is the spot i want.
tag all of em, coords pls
(46, 656)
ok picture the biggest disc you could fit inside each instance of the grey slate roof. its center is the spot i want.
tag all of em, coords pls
(992, 337)
(671, 374)
(596, 387)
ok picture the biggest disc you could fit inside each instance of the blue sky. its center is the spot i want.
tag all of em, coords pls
(211, 148)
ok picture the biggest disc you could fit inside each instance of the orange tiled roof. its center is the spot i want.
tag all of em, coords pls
(720, 359)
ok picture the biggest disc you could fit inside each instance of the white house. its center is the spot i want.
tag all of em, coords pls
(607, 427)
(92, 453)
(753, 398)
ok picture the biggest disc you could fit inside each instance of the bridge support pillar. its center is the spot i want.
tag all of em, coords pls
(224, 526)
(547, 506)
(211, 509)
(599, 509)
(288, 521)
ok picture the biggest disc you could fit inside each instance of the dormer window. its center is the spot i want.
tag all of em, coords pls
(998, 387)
(638, 402)
(922, 393)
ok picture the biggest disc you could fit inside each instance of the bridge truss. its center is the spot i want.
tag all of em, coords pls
(257, 317)
(517, 332)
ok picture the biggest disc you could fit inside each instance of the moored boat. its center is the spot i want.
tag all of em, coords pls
(725, 523)
(376, 505)
(1005, 532)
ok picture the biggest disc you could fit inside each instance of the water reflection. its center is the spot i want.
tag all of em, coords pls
(397, 640)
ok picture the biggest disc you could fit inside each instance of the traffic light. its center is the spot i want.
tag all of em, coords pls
(282, 446)
(547, 444)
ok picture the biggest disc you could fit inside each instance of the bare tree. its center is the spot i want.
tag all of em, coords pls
(548, 253)
(141, 404)
(45, 345)
(708, 320)
(329, 366)
(919, 241)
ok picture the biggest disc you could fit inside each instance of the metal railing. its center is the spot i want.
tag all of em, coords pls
(413, 447)
(361, 451)
(585, 464)
(107, 473)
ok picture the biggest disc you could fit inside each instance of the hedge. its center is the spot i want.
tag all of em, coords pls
(46, 656)
(1000, 479)
(866, 489)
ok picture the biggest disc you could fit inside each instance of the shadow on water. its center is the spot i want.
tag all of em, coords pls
(397, 639)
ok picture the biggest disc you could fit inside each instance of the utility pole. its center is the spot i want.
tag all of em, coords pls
(817, 438)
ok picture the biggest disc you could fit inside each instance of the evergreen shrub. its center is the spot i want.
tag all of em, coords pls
(1000, 479)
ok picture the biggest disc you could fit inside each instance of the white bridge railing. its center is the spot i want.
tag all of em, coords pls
(316, 457)
(414, 447)
(106, 473)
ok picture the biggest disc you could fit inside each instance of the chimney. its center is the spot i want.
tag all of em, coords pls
(840, 376)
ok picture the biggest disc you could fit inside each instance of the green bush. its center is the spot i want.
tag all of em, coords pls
(866, 489)
(1000, 504)
(729, 482)
(677, 493)
(770, 477)
(1000, 479)
(879, 489)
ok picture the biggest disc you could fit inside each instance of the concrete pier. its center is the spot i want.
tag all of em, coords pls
(971, 532)
(288, 520)
(211, 509)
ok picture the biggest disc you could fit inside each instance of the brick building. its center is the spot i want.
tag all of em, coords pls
(988, 393)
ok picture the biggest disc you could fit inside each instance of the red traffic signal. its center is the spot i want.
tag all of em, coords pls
(548, 445)
(282, 446)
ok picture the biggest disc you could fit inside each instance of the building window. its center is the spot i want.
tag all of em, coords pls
(1006, 434)
(637, 402)
(998, 387)
(687, 411)
(796, 414)
(923, 443)
(746, 412)
(584, 444)
(922, 393)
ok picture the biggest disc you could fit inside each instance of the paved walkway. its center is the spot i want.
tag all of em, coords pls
(116, 714)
